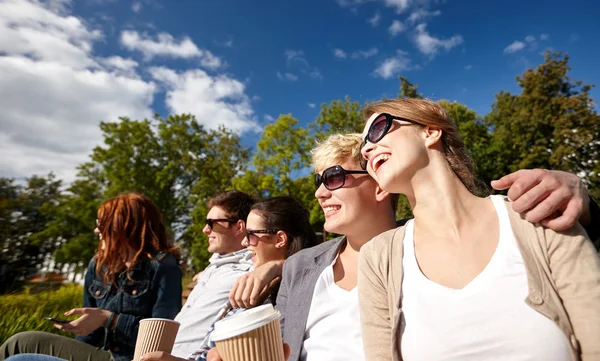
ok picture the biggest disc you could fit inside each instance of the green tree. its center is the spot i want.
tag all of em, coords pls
(339, 116)
(551, 124)
(408, 89)
(23, 250)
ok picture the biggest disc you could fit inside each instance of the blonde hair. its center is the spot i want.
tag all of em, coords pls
(430, 113)
(339, 149)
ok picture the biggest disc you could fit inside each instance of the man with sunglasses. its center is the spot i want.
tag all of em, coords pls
(225, 228)
(317, 298)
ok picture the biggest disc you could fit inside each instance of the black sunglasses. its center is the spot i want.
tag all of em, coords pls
(210, 222)
(334, 177)
(378, 129)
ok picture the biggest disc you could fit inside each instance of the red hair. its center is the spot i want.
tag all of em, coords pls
(127, 222)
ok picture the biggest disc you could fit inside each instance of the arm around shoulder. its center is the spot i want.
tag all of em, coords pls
(575, 267)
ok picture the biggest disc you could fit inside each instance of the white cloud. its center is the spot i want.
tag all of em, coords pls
(530, 38)
(429, 45)
(396, 28)
(296, 60)
(400, 5)
(229, 43)
(544, 37)
(166, 45)
(421, 14)
(120, 63)
(268, 118)
(315, 74)
(287, 76)
(468, 67)
(293, 56)
(391, 66)
(312, 105)
(54, 92)
(215, 101)
(340, 54)
(364, 54)
(514, 47)
(136, 7)
(374, 21)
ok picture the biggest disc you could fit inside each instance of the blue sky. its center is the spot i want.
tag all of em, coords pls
(242, 63)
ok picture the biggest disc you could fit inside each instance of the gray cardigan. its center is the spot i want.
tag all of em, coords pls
(300, 274)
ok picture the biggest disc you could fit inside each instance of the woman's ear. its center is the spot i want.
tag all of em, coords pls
(433, 135)
(380, 194)
(282, 239)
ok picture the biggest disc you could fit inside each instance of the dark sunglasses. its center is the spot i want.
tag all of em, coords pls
(210, 222)
(251, 232)
(334, 177)
(378, 129)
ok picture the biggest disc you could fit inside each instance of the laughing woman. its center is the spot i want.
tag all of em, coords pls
(134, 275)
(467, 279)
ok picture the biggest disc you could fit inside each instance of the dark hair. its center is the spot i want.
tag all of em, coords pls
(287, 215)
(129, 220)
(235, 203)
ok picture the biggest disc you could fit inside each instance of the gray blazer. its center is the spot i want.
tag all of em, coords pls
(300, 274)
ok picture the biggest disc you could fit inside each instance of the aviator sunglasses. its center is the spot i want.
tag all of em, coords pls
(378, 129)
(334, 177)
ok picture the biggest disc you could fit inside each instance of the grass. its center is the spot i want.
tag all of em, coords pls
(25, 311)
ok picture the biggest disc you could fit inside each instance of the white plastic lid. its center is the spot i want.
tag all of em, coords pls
(244, 322)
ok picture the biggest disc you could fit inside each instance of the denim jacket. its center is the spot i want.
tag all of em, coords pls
(154, 291)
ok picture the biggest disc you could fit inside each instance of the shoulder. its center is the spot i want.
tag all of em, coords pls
(378, 253)
(304, 259)
(165, 262)
(309, 254)
(385, 242)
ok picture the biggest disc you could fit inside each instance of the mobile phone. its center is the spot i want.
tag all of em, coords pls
(56, 320)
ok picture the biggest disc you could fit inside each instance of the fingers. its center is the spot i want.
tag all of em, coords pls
(525, 180)
(238, 291)
(567, 219)
(531, 198)
(76, 311)
(256, 290)
(195, 278)
(508, 180)
(286, 351)
(213, 355)
(547, 208)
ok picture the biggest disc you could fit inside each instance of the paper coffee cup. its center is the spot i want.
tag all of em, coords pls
(252, 335)
(155, 334)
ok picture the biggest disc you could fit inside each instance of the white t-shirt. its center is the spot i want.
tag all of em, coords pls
(333, 323)
(488, 319)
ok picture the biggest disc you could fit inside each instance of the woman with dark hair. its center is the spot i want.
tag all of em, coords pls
(276, 229)
(134, 275)
(468, 278)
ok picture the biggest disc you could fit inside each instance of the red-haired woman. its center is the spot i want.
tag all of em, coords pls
(134, 275)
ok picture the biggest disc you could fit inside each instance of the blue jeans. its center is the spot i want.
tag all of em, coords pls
(33, 357)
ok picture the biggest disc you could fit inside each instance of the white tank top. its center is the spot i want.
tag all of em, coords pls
(488, 319)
